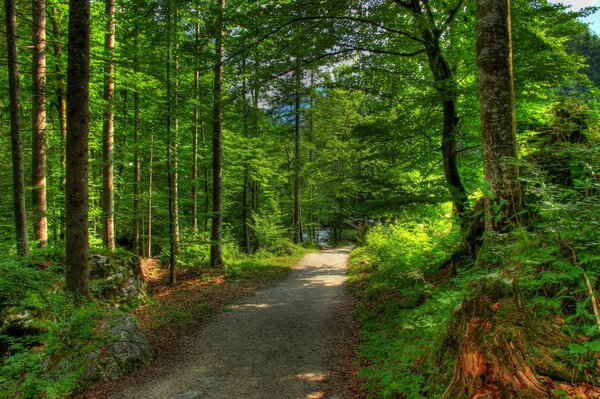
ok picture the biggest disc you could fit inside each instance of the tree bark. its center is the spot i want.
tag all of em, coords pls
(61, 103)
(78, 73)
(38, 138)
(498, 127)
(216, 254)
(172, 139)
(137, 177)
(15, 129)
(195, 130)
(245, 191)
(149, 209)
(298, 236)
(108, 195)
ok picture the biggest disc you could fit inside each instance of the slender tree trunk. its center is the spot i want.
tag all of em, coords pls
(15, 129)
(137, 178)
(298, 236)
(206, 178)
(61, 101)
(149, 210)
(311, 132)
(446, 87)
(245, 203)
(38, 138)
(108, 194)
(78, 72)
(216, 254)
(255, 183)
(195, 130)
(172, 139)
(498, 127)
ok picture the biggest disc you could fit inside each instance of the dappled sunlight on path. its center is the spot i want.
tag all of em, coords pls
(275, 344)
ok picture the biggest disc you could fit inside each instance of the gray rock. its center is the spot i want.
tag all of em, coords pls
(119, 279)
(118, 348)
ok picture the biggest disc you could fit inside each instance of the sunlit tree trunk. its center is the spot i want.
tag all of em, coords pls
(15, 129)
(195, 123)
(108, 195)
(38, 137)
(78, 74)
(216, 254)
(498, 127)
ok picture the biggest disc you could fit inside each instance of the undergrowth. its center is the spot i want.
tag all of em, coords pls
(550, 258)
(36, 312)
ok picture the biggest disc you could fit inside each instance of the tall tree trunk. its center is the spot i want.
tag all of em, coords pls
(446, 87)
(38, 138)
(15, 129)
(245, 203)
(172, 141)
(108, 194)
(311, 133)
(206, 178)
(195, 130)
(255, 184)
(298, 236)
(137, 177)
(498, 127)
(78, 72)
(61, 102)
(149, 209)
(216, 254)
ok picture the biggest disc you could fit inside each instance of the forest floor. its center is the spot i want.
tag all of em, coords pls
(296, 339)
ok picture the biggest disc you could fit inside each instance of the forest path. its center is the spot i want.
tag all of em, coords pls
(280, 343)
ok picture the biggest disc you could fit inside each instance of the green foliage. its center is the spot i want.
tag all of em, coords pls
(402, 314)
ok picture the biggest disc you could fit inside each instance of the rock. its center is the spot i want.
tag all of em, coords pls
(117, 348)
(117, 279)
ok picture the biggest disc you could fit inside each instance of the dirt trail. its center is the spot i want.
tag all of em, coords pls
(276, 344)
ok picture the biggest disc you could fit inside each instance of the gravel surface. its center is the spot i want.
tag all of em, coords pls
(277, 344)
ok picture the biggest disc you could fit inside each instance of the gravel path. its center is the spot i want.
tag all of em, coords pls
(277, 344)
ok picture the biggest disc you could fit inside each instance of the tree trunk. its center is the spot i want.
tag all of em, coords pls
(149, 210)
(78, 72)
(108, 195)
(255, 183)
(298, 237)
(206, 178)
(15, 129)
(245, 202)
(498, 127)
(38, 138)
(216, 255)
(446, 87)
(195, 130)
(137, 178)
(61, 104)
(172, 138)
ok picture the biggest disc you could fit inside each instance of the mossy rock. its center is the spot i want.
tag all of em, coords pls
(118, 278)
(117, 347)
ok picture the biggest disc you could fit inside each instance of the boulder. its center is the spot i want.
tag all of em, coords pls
(117, 279)
(117, 348)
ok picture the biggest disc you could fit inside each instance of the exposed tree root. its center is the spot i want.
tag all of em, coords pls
(503, 354)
